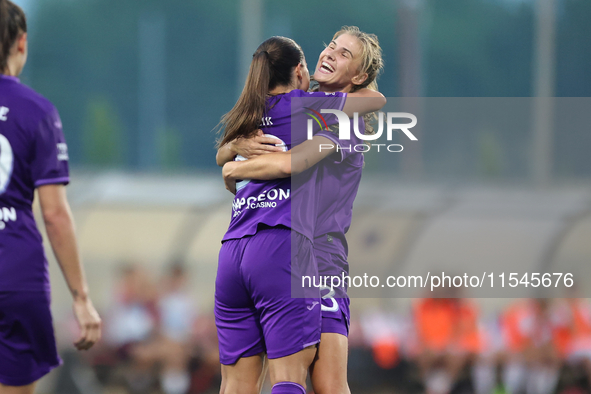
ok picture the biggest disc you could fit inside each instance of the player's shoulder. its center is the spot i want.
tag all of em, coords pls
(35, 105)
(301, 93)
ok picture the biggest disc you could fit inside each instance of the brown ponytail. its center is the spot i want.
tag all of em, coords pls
(13, 23)
(272, 65)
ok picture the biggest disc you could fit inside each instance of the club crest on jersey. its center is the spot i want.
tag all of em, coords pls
(62, 152)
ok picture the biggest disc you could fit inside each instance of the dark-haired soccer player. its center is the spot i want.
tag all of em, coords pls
(33, 155)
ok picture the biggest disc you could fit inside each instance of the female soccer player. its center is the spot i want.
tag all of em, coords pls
(254, 308)
(33, 155)
(354, 60)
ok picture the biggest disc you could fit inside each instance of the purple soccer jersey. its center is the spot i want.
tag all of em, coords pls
(337, 184)
(271, 202)
(33, 152)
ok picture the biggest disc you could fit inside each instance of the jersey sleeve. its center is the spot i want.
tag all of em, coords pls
(49, 164)
(346, 147)
(326, 100)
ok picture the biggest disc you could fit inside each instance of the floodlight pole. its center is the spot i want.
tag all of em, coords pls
(152, 89)
(250, 35)
(411, 78)
(543, 84)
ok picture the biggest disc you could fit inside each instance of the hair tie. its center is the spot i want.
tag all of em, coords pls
(265, 52)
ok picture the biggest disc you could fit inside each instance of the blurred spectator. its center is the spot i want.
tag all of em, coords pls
(166, 352)
(447, 340)
(531, 358)
(381, 330)
(573, 332)
(133, 315)
(131, 322)
(177, 315)
(177, 309)
(206, 363)
(150, 329)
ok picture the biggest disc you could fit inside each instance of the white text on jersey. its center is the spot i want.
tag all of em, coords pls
(4, 113)
(7, 215)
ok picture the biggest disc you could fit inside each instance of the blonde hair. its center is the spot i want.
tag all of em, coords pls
(371, 63)
(371, 56)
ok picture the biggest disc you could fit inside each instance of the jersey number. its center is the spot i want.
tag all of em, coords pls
(6, 163)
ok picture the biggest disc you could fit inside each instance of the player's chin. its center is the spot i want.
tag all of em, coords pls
(321, 77)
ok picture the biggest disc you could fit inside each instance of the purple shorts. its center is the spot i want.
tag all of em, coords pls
(27, 342)
(335, 308)
(254, 308)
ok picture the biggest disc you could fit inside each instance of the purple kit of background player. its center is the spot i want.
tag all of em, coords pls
(33, 155)
(33, 152)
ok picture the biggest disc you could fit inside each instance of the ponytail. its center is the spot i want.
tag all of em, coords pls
(272, 65)
(246, 115)
(13, 23)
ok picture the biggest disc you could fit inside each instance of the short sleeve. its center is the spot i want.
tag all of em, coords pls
(346, 147)
(49, 164)
(308, 106)
(325, 100)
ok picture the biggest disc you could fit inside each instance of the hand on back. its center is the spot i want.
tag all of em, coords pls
(255, 146)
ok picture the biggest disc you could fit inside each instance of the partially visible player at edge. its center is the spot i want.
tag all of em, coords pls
(337, 184)
(254, 308)
(33, 155)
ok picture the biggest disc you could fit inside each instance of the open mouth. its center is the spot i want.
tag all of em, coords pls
(326, 68)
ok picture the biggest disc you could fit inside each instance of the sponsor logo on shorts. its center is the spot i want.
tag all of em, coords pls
(310, 307)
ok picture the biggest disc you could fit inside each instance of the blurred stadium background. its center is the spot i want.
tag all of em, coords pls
(140, 86)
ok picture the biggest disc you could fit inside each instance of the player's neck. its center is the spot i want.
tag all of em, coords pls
(334, 88)
(280, 90)
(11, 70)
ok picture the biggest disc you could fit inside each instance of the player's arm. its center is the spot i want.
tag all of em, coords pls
(278, 165)
(363, 101)
(247, 147)
(60, 230)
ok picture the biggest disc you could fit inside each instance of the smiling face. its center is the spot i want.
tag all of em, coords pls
(339, 63)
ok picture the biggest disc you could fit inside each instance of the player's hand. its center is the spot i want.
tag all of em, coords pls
(89, 323)
(255, 146)
(229, 180)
